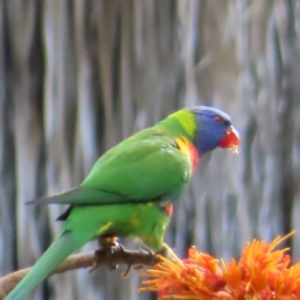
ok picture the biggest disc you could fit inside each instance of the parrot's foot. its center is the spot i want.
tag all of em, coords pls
(138, 267)
(165, 251)
(150, 251)
(109, 246)
(130, 267)
(107, 243)
(112, 253)
(109, 252)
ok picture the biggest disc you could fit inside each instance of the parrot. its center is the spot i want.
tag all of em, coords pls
(130, 190)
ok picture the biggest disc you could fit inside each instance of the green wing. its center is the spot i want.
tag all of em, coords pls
(142, 168)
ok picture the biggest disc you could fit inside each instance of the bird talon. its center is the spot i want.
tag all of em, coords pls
(115, 247)
(129, 268)
(107, 243)
(148, 250)
(97, 254)
(119, 248)
(165, 251)
(108, 248)
(92, 269)
(126, 273)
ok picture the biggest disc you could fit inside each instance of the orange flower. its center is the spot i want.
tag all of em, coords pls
(262, 273)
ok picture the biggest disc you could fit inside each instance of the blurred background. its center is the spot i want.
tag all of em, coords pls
(77, 77)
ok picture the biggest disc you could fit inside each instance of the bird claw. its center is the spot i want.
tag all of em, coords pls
(138, 267)
(148, 250)
(165, 251)
(126, 273)
(96, 264)
(130, 267)
(115, 247)
(108, 248)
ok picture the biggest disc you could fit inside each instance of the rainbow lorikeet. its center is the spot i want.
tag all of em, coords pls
(131, 187)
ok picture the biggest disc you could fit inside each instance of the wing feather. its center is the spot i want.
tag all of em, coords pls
(145, 167)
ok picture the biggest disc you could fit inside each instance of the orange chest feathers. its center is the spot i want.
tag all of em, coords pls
(189, 150)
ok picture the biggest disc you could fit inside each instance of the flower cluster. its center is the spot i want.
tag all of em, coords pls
(262, 273)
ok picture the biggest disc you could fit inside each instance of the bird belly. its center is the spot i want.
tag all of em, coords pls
(146, 221)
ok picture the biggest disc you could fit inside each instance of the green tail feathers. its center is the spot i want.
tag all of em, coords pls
(64, 245)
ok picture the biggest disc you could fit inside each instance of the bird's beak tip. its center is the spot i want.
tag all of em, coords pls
(230, 140)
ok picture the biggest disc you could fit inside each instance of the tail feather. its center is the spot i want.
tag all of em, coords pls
(64, 245)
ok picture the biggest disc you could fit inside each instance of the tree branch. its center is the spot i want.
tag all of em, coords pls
(101, 257)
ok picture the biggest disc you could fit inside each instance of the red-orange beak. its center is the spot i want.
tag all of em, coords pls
(230, 140)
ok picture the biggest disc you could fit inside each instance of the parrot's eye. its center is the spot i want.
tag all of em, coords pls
(218, 120)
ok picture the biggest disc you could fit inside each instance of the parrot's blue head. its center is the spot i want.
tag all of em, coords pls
(214, 129)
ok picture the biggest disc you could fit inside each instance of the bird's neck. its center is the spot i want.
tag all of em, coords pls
(183, 127)
(181, 124)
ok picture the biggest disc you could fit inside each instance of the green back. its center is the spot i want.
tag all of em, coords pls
(145, 167)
